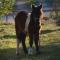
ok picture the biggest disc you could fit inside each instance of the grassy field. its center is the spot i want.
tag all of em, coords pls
(49, 38)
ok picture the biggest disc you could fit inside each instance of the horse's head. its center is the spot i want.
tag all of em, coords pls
(36, 13)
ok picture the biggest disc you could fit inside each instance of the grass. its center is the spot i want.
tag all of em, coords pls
(49, 40)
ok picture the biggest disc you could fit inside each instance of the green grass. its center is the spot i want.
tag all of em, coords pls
(49, 38)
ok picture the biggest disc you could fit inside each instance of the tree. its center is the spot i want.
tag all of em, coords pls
(7, 6)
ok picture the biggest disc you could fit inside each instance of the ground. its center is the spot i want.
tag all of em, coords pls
(49, 41)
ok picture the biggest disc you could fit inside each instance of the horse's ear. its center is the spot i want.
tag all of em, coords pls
(32, 6)
(40, 6)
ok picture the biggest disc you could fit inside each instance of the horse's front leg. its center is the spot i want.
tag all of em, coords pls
(17, 46)
(30, 51)
(36, 39)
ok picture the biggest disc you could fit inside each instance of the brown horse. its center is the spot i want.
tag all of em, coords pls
(25, 22)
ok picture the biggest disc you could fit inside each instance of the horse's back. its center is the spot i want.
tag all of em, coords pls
(20, 20)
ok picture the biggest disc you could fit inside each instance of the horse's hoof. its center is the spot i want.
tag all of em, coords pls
(30, 51)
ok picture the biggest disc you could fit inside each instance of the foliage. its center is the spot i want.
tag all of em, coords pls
(6, 6)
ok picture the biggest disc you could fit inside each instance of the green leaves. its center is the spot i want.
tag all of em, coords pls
(7, 6)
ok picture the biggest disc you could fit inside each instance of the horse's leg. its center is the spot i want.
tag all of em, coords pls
(17, 46)
(23, 37)
(36, 39)
(31, 43)
(31, 39)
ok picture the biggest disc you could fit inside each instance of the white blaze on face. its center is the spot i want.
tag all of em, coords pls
(27, 22)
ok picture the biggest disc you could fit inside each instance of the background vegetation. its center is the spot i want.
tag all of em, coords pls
(6, 6)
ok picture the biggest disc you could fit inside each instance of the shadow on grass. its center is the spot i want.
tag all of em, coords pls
(48, 52)
(8, 37)
(49, 31)
(51, 52)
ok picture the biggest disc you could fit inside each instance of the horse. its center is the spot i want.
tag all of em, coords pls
(28, 22)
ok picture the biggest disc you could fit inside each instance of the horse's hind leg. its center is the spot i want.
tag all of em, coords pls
(23, 37)
(17, 46)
